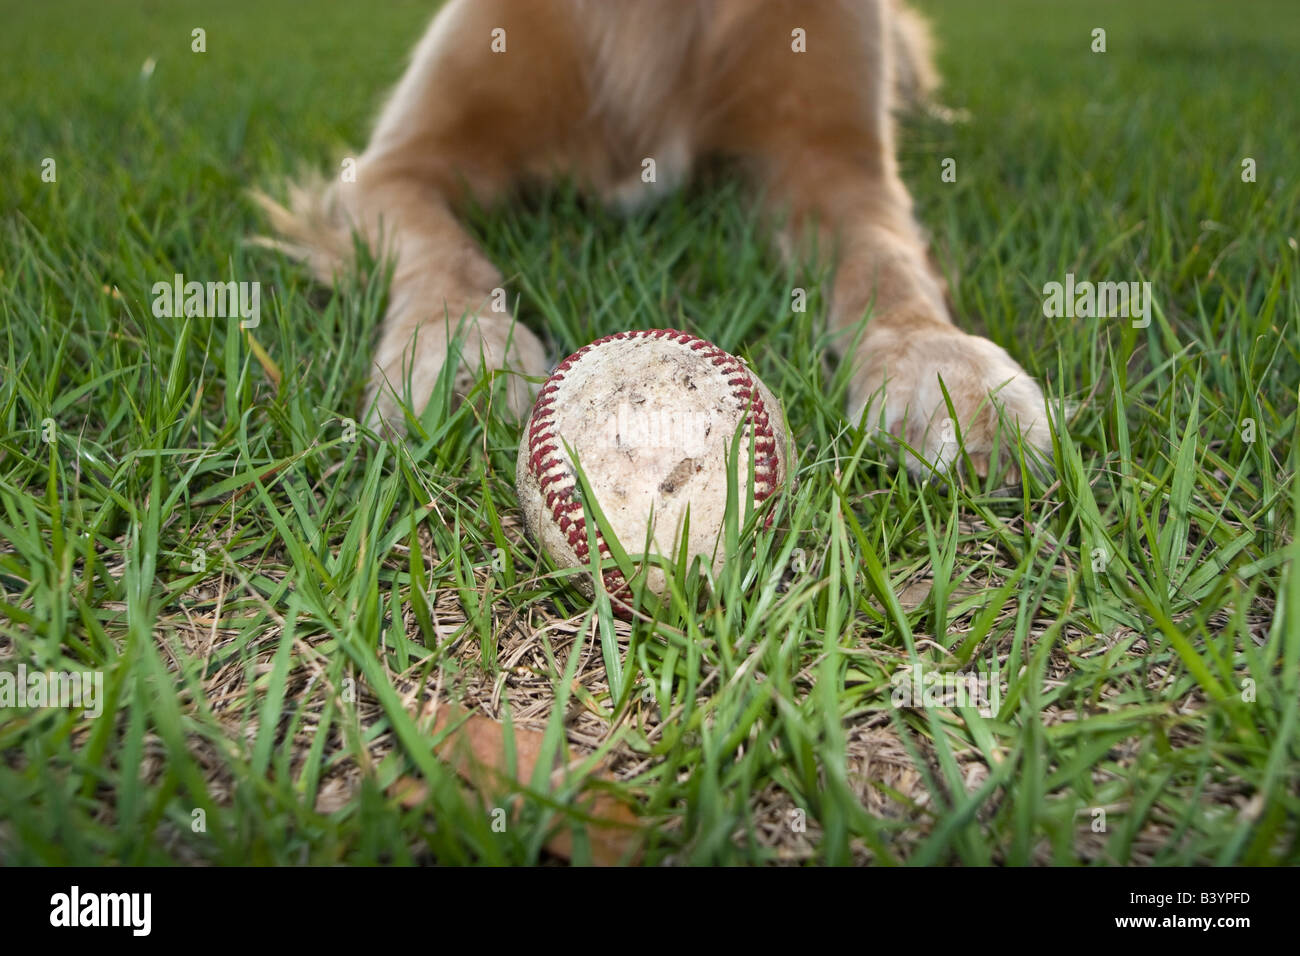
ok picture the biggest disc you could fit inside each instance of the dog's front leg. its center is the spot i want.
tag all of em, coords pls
(889, 319)
(814, 123)
(445, 294)
(909, 352)
(490, 98)
(444, 289)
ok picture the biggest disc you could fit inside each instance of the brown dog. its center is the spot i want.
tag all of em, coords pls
(800, 92)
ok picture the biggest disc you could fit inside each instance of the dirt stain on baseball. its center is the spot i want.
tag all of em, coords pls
(681, 473)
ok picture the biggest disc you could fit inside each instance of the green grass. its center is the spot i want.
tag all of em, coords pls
(270, 602)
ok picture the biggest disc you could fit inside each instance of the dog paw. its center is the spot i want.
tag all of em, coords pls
(493, 343)
(900, 385)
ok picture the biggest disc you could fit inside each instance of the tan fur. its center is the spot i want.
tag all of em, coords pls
(915, 78)
(590, 88)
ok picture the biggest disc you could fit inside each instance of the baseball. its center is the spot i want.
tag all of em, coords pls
(650, 416)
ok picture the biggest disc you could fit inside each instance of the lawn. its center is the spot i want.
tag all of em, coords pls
(273, 602)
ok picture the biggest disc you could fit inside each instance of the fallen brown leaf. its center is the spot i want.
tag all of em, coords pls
(476, 750)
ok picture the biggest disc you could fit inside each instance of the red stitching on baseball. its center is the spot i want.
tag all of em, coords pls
(542, 442)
